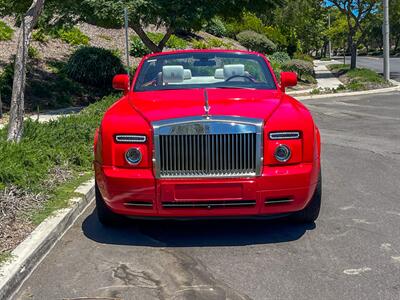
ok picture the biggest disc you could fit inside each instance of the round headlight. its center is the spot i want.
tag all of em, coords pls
(133, 156)
(282, 153)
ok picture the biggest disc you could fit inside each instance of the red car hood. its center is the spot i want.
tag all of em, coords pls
(159, 105)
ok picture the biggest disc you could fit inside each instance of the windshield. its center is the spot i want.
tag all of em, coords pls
(204, 70)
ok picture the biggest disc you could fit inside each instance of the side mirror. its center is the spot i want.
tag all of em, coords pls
(288, 79)
(121, 82)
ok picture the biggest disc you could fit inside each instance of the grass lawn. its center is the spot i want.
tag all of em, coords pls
(358, 79)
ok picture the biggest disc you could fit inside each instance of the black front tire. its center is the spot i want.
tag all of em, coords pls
(104, 214)
(311, 212)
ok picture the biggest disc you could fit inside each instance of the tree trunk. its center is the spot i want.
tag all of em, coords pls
(17, 98)
(148, 42)
(353, 53)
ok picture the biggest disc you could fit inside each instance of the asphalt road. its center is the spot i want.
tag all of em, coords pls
(352, 252)
(376, 64)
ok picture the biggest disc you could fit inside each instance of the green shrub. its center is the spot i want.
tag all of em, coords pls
(138, 49)
(173, 42)
(200, 44)
(279, 57)
(40, 36)
(256, 42)
(6, 83)
(94, 66)
(216, 27)
(67, 141)
(73, 36)
(304, 69)
(303, 56)
(215, 43)
(33, 53)
(6, 32)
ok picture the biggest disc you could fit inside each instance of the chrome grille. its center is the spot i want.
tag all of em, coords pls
(217, 147)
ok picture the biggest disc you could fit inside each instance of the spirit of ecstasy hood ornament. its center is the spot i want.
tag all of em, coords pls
(206, 104)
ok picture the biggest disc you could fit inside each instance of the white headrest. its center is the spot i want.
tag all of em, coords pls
(232, 70)
(187, 74)
(172, 74)
(219, 74)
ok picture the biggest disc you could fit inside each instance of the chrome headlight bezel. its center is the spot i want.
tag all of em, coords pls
(131, 152)
(286, 153)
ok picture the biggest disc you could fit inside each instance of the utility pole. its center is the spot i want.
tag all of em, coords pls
(127, 41)
(329, 42)
(386, 40)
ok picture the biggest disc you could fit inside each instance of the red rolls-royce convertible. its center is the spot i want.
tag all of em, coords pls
(207, 133)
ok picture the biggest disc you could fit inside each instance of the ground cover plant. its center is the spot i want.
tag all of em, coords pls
(39, 174)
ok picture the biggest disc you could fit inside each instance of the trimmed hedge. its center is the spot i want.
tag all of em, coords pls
(304, 69)
(94, 66)
(256, 42)
(279, 57)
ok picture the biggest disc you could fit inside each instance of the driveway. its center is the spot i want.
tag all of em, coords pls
(376, 64)
(352, 252)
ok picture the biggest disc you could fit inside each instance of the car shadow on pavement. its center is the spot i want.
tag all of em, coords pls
(198, 233)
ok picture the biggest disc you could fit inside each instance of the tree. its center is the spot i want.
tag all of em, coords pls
(356, 12)
(173, 15)
(303, 23)
(28, 22)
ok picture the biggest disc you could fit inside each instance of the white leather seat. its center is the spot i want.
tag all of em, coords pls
(187, 74)
(233, 70)
(172, 74)
(219, 74)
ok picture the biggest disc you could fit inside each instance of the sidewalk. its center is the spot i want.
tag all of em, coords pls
(51, 114)
(325, 78)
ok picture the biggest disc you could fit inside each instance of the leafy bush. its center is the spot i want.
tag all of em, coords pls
(216, 27)
(40, 36)
(94, 66)
(304, 69)
(215, 43)
(303, 56)
(67, 141)
(138, 49)
(256, 42)
(33, 53)
(200, 44)
(279, 57)
(73, 36)
(173, 42)
(6, 32)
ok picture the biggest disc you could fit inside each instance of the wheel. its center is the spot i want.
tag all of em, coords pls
(104, 214)
(310, 213)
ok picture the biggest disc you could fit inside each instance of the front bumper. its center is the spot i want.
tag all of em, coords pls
(279, 190)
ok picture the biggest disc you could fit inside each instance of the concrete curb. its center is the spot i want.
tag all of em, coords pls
(360, 93)
(34, 248)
